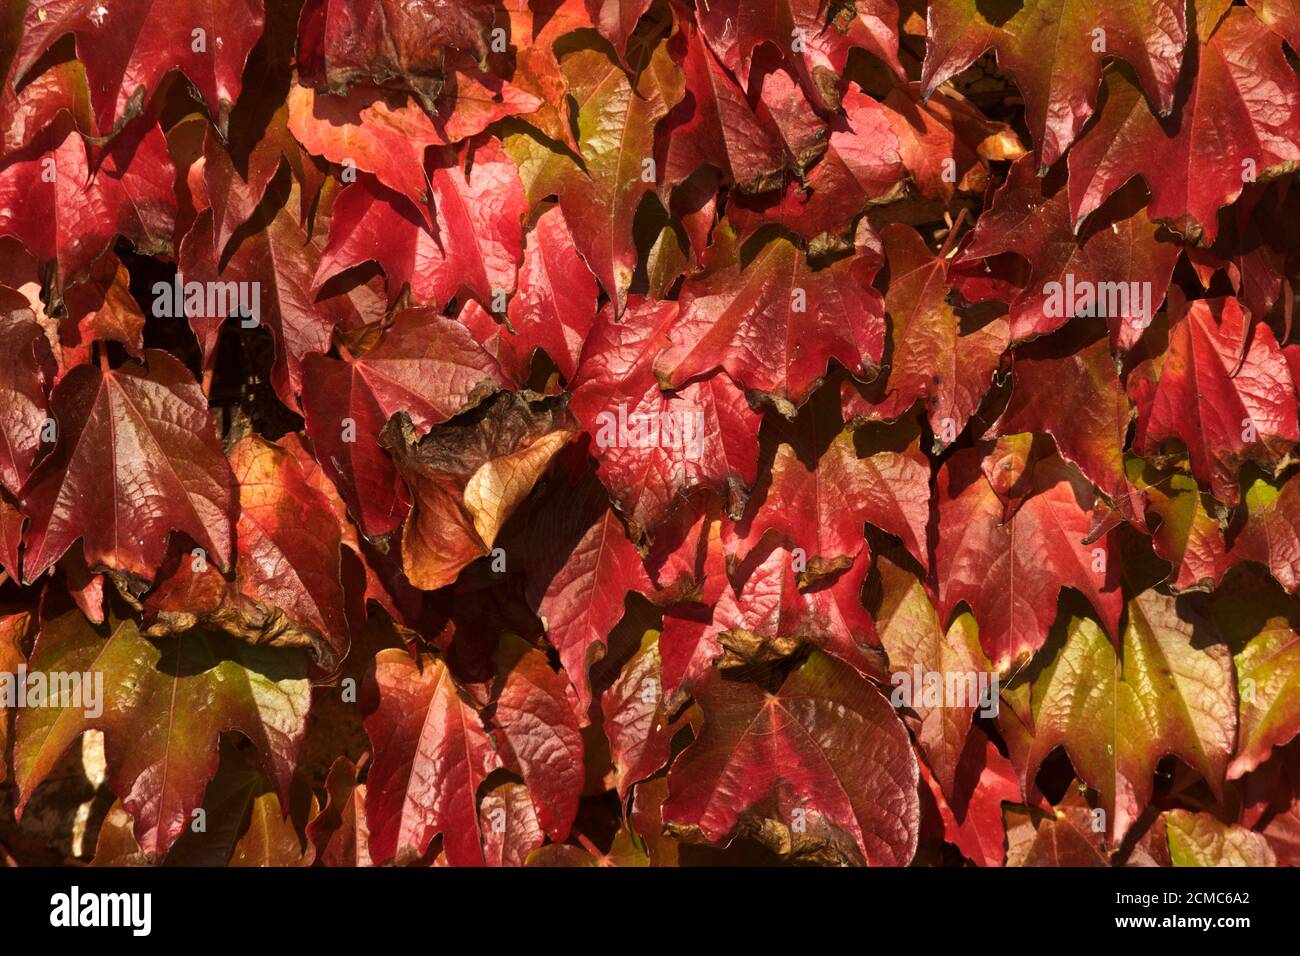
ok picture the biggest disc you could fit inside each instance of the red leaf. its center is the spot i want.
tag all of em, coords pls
(147, 432)
(1073, 393)
(766, 617)
(822, 482)
(945, 126)
(917, 643)
(616, 124)
(616, 19)
(688, 646)
(1116, 268)
(1239, 110)
(1052, 50)
(861, 167)
(531, 64)
(338, 832)
(468, 239)
(341, 42)
(974, 821)
(289, 547)
(467, 477)
(128, 46)
(538, 733)
(654, 447)
(579, 594)
(1226, 410)
(100, 309)
(425, 365)
(782, 103)
(1010, 573)
(1280, 16)
(737, 28)
(67, 202)
(553, 310)
(686, 558)
(509, 824)
(24, 114)
(822, 769)
(930, 360)
(23, 377)
(1064, 837)
(1271, 531)
(714, 124)
(430, 755)
(775, 324)
(636, 717)
(237, 173)
(374, 130)
(271, 270)
(385, 132)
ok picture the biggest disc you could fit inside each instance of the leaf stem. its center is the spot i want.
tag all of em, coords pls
(589, 846)
(952, 233)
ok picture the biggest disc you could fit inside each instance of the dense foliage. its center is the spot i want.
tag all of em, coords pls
(625, 432)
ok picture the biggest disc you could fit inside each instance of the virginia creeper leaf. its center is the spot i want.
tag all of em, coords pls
(128, 46)
(636, 719)
(1227, 409)
(827, 481)
(655, 447)
(775, 324)
(431, 752)
(67, 201)
(1071, 391)
(468, 239)
(147, 432)
(163, 707)
(825, 748)
(1117, 269)
(1237, 115)
(288, 544)
(537, 730)
(913, 638)
(1172, 694)
(341, 42)
(467, 477)
(1200, 839)
(929, 359)
(1054, 48)
(425, 365)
